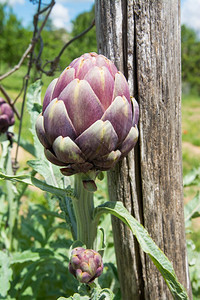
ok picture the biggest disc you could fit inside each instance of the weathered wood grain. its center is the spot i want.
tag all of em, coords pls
(143, 39)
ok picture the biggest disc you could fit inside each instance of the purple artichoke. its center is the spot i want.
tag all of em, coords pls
(6, 116)
(85, 264)
(89, 120)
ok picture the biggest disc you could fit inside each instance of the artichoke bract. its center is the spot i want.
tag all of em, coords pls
(6, 116)
(88, 121)
(85, 264)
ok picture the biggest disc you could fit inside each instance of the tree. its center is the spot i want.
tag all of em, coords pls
(13, 36)
(143, 39)
(55, 39)
(86, 42)
(190, 54)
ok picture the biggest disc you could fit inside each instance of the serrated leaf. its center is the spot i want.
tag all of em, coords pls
(34, 233)
(106, 294)
(42, 167)
(28, 179)
(102, 294)
(5, 274)
(147, 244)
(22, 257)
(51, 173)
(65, 195)
(26, 279)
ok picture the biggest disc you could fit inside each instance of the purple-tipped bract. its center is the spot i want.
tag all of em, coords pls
(85, 264)
(89, 120)
(6, 116)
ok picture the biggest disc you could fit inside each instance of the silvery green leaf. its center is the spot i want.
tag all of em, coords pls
(34, 108)
(5, 274)
(51, 173)
(147, 244)
(101, 294)
(21, 257)
(40, 184)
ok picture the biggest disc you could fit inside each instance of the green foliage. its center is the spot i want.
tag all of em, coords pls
(194, 267)
(96, 294)
(34, 245)
(36, 266)
(190, 113)
(192, 178)
(41, 269)
(192, 211)
(190, 55)
(148, 246)
(86, 43)
(110, 278)
(190, 159)
(14, 38)
(190, 132)
(40, 264)
(34, 233)
(53, 41)
(5, 274)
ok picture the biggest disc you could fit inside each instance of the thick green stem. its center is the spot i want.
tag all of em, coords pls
(84, 208)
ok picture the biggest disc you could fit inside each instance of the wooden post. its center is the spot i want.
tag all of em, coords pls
(143, 39)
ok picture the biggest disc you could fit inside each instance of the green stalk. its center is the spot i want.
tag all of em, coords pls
(83, 209)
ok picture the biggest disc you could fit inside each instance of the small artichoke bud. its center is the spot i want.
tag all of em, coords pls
(89, 120)
(6, 116)
(85, 264)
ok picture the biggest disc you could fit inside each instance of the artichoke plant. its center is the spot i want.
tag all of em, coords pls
(85, 264)
(88, 121)
(6, 116)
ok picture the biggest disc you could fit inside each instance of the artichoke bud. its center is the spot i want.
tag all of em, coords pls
(89, 120)
(85, 264)
(6, 116)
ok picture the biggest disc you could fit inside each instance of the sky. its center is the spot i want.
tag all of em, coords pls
(190, 13)
(65, 11)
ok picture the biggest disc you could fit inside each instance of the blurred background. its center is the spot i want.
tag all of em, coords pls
(68, 19)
